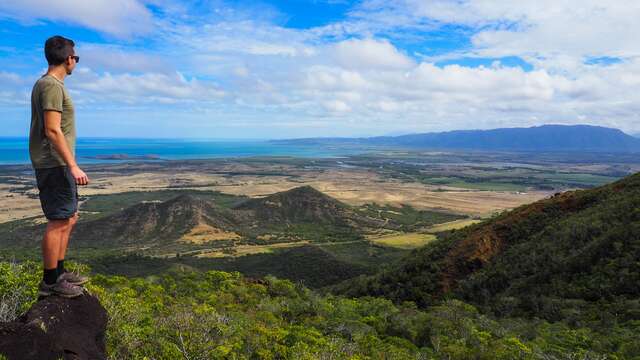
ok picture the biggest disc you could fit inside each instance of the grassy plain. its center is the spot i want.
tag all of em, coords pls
(355, 180)
(404, 241)
(426, 192)
(452, 225)
(471, 183)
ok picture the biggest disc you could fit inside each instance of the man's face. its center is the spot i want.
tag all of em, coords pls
(70, 63)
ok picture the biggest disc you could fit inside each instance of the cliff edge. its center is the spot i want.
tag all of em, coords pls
(57, 328)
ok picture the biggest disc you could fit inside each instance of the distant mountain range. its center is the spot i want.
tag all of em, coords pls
(551, 138)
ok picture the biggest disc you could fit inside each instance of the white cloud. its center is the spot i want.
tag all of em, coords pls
(147, 88)
(121, 18)
(336, 106)
(9, 78)
(548, 33)
(349, 77)
(240, 37)
(369, 54)
(118, 58)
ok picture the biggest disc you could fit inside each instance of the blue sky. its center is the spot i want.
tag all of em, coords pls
(298, 68)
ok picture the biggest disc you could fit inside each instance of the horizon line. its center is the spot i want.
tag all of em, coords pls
(636, 134)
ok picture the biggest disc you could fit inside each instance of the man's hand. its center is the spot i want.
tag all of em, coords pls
(53, 132)
(79, 175)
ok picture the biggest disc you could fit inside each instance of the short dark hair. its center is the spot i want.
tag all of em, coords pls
(57, 49)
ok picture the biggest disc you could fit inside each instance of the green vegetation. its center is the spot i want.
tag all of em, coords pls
(553, 280)
(284, 232)
(495, 184)
(540, 180)
(501, 171)
(452, 225)
(316, 265)
(589, 180)
(7, 229)
(409, 218)
(571, 259)
(364, 253)
(219, 315)
(339, 250)
(308, 264)
(404, 241)
(108, 204)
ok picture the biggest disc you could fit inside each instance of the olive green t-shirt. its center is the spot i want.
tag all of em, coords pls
(49, 93)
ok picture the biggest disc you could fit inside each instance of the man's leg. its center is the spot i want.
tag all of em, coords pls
(64, 241)
(51, 246)
(70, 277)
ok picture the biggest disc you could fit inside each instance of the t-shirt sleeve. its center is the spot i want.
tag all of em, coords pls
(51, 97)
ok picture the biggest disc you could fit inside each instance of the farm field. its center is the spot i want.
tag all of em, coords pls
(452, 225)
(404, 241)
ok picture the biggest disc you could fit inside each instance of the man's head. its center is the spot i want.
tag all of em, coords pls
(59, 52)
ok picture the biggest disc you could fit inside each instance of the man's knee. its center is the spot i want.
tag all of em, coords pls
(73, 220)
(58, 224)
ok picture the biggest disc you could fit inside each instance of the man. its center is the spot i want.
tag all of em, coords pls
(52, 149)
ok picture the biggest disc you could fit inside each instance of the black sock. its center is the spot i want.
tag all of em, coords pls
(50, 276)
(61, 268)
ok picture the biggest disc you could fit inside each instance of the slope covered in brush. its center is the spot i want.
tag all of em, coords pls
(296, 214)
(305, 204)
(153, 221)
(184, 314)
(573, 256)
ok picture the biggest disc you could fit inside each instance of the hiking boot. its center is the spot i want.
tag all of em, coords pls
(73, 278)
(60, 288)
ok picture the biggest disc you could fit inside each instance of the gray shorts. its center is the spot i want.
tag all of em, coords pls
(58, 192)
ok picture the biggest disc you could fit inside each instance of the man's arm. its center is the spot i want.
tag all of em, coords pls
(53, 132)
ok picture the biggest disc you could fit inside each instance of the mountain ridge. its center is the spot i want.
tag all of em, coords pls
(563, 257)
(187, 218)
(305, 204)
(160, 221)
(549, 137)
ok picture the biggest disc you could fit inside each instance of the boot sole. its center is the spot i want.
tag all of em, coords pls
(49, 293)
(44, 293)
(78, 283)
(68, 295)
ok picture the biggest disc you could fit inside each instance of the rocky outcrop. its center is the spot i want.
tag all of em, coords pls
(57, 328)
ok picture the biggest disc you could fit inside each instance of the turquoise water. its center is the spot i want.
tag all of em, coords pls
(16, 150)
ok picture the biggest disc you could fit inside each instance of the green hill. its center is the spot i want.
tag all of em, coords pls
(324, 216)
(309, 264)
(297, 214)
(184, 314)
(574, 257)
(153, 222)
(301, 204)
(556, 279)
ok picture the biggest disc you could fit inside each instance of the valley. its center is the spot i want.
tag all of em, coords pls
(249, 214)
(517, 255)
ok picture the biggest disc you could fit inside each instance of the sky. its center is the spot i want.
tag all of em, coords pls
(309, 68)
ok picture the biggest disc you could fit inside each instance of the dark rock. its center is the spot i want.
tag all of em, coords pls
(57, 328)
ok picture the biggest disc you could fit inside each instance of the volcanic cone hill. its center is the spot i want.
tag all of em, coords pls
(304, 204)
(574, 256)
(155, 221)
(296, 214)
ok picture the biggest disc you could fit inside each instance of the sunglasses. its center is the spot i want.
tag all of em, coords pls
(75, 57)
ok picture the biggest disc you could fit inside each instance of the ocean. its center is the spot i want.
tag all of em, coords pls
(15, 150)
